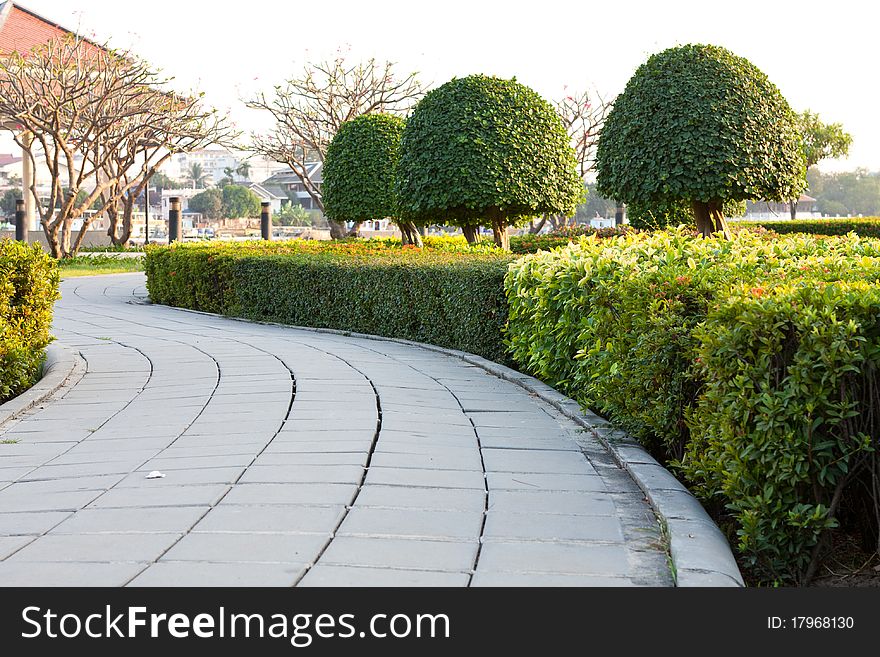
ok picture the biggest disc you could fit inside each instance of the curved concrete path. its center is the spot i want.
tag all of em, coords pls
(299, 458)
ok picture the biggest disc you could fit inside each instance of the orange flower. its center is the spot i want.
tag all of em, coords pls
(757, 291)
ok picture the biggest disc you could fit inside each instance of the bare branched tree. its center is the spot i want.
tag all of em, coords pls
(88, 111)
(181, 124)
(583, 115)
(309, 110)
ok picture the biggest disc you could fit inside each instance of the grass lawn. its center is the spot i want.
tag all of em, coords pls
(98, 265)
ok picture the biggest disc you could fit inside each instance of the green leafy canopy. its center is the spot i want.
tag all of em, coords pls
(698, 123)
(485, 148)
(359, 168)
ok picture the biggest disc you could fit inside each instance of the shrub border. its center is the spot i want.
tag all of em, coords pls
(60, 367)
(699, 551)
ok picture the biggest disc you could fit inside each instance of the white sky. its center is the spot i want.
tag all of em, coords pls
(822, 55)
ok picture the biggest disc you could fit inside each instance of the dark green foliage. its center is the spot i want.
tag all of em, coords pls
(445, 298)
(28, 290)
(359, 169)
(7, 202)
(208, 203)
(239, 202)
(864, 227)
(480, 149)
(698, 123)
(527, 243)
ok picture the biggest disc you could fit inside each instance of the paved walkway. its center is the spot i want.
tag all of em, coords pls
(298, 458)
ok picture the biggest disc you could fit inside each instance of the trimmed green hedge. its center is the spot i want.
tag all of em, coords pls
(748, 365)
(861, 226)
(450, 299)
(28, 290)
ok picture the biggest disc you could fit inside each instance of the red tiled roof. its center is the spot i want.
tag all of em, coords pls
(21, 30)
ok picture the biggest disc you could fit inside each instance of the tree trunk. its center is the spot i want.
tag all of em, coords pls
(793, 208)
(355, 230)
(471, 233)
(127, 212)
(410, 234)
(52, 241)
(555, 221)
(536, 228)
(113, 218)
(619, 211)
(710, 218)
(502, 236)
(337, 230)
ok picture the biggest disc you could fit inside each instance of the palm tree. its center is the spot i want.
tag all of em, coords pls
(196, 175)
(244, 170)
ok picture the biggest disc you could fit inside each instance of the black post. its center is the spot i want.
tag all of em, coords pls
(174, 220)
(146, 216)
(266, 221)
(21, 227)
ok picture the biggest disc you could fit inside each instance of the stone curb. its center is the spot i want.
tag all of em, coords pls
(700, 553)
(60, 367)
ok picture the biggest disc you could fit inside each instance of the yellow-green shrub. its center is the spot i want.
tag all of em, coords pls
(28, 289)
(653, 331)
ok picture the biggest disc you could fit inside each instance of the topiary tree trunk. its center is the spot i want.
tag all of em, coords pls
(499, 231)
(710, 219)
(471, 233)
(337, 230)
(409, 234)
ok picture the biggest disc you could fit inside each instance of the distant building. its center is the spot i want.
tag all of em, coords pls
(183, 194)
(273, 195)
(288, 184)
(215, 163)
(807, 208)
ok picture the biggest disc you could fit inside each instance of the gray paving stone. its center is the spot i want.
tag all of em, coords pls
(323, 575)
(536, 461)
(419, 523)
(534, 557)
(96, 547)
(551, 527)
(401, 497)
(206, 495)
(401, 553)
(311, 458)
(247, 548)
(566, 503)
(187, 573)
(426, 477)
(139, 479)
(11, 500)
(544, 482)
(9, 544)
(328, 494)
(555, 580)
(71, 574)
(278, 519)
(36, 486)
(23, 524)
(431, 458)
(132, 520)
(340, 474)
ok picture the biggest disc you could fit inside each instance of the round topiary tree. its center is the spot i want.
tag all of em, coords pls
(482, 150)
(359, 172)
(698, 124)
